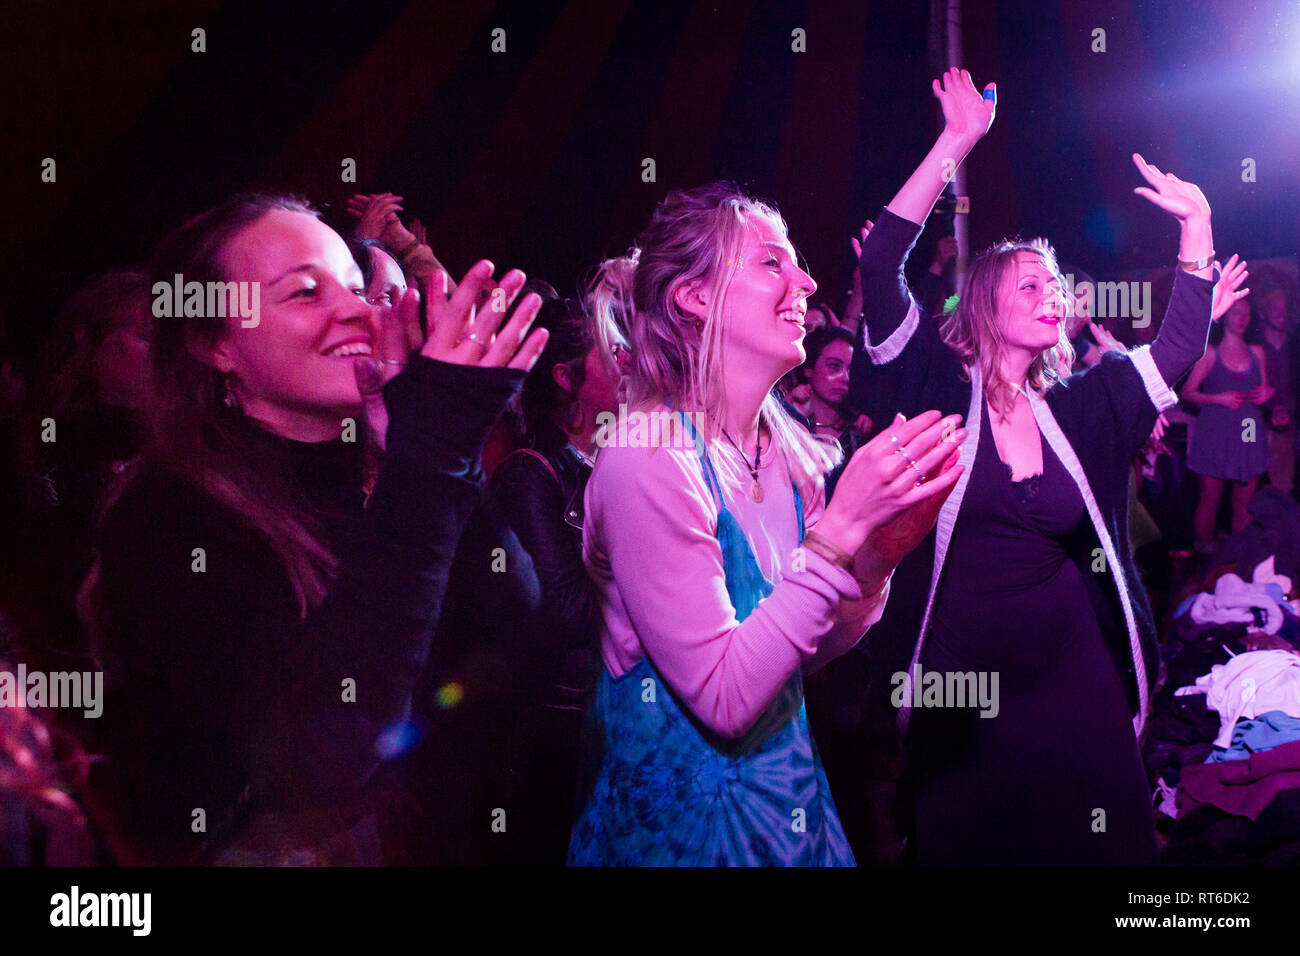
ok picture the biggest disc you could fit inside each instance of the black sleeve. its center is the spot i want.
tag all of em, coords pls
(1186, 326)
(885, 295)
(530, 497)
(297, 705)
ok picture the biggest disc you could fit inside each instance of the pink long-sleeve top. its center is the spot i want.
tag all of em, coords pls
(650, 545)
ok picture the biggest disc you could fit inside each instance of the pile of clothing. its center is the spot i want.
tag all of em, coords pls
(1260, 604)
(1224, 742)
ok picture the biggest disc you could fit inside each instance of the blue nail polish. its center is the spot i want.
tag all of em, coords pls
(991, 95)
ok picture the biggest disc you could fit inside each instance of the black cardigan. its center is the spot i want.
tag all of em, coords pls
(1095, 421)
(221, 698)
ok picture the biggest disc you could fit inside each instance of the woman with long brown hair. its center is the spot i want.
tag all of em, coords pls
(272, 572)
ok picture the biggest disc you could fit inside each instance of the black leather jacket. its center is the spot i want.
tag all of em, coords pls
(541, 496)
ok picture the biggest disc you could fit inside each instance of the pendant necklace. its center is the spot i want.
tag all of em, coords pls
(755, 489)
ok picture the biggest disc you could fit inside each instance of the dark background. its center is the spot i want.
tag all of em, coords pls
(532, 157)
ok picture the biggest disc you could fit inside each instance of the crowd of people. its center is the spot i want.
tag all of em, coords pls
(371, 578)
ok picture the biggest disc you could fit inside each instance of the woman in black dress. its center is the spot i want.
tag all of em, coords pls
(1028, 603)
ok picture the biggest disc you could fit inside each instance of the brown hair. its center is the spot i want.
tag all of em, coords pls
(972, 329)
(194, 435)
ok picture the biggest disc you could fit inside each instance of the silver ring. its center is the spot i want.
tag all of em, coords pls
(476, 340)
(390, 362)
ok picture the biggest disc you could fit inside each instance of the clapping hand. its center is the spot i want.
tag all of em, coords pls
(465, 328)
(895, 485)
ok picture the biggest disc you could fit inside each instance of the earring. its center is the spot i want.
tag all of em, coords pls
(230, 400)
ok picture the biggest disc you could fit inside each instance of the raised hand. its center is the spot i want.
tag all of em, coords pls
(1182, 200)
(1105, 341)
(1228, 289)
(862, 237)
(374, 213)
(967, 115)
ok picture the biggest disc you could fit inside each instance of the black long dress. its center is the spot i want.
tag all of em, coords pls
(1056, 776)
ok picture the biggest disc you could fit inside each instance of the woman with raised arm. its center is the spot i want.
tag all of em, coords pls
(711, 608)
(268, 582)
(1029, 592)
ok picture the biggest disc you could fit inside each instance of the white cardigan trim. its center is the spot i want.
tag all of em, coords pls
(1162, 396)
(893, 346)
(944, 528)
(948, 519)
(1061, 445)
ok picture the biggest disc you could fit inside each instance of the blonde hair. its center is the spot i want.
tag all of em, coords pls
(972, 330)
(694, 236)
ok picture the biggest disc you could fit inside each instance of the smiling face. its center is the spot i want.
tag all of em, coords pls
(1031, 305)
(763, 312)
(293, 371)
